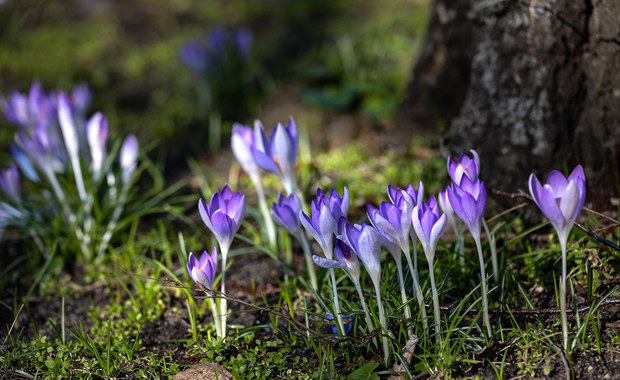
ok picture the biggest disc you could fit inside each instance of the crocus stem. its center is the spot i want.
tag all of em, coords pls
(371, 326)
(336, 303)
(382, 321)
(459, 241)
(216, 318)
(563, 296)
(223, 301)
(483, 280)
(403, 294)
(417, 290)
(491, 239)
(435, 306)
(77, 171)
(262, 203)
(116, 214)
(309, 263)
(49, 173)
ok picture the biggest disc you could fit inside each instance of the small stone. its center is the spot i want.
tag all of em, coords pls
(590, 369)
(606, 377)
(204, 371)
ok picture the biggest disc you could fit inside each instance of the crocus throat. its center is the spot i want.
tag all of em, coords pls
(275, 158)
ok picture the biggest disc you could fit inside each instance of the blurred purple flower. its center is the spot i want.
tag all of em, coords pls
(203, 271)
(286, 213)
(129, 157)
(216, 45)
(561, 198)
(194, 55)
(43, 148)
(242, 142)
(277, 155)
(468, 202)
(29, 111)
(429, 224)
(223, 215)
(80, 98)
(97, 135)
(9, 182)
(464, 165)
(24, 163)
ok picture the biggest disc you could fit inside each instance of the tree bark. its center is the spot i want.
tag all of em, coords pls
(532, 85)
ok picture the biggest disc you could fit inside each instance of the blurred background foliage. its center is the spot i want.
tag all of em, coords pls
(341, 56)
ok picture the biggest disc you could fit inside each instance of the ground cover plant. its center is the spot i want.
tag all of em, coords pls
(278, 261)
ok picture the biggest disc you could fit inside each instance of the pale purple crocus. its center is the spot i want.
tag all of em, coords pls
(203, 271)
(320, 225)
(345, 259)
(468, 200)
(464, 166)
(9, 182)
(277, 154)
(242, 142)
(429, 224)
(97, 135)
(28, 111)
(80, 98)
(365, 242)
(71, 139)
(286, 213)
(223, 216)
(338, 206)
(561, 200)
(129, 158)
(393, 223)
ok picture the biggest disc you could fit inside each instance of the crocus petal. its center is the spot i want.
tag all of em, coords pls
(557, 182)
(436, 231)
(570, 203)
(202, 209)
(129, 156)
(326, 263)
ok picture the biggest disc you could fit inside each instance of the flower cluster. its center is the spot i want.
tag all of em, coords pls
(54, 142)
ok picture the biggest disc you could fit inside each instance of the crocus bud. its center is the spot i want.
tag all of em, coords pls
(97, 133)
(129, 157)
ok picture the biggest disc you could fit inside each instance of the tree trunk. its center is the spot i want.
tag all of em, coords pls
(532, 85)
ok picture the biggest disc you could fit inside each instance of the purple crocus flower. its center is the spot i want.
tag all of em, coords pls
(97, 135)
(338, 206)
(28, 111)
(129, 157)
(9, 182)
(194, 55)
(320, 225)
(242, 142)
(24, 163)
(412, 197)
(223, 215)
(468, 200)
(203, 271)
(286, 213)
(277, 155)
(43, 148)
(561, 198)
(242, 41)
(365, 242)
(470, 167)
(347, 320)
(393, 222)
(345, 259)
(80, 98)
(429, 224)
(446, 207)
